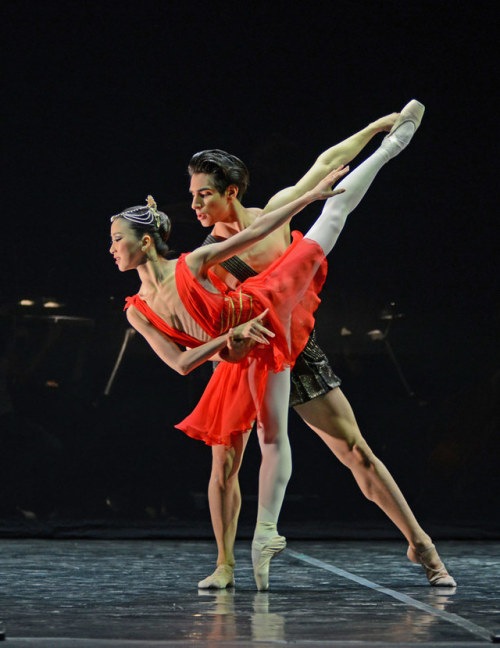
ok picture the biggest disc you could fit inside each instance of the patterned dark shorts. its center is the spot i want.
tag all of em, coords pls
(312, 375)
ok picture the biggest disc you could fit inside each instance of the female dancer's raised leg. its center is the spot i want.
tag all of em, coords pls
(328, 226)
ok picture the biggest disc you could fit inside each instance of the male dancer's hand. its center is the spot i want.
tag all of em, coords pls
(384, 124)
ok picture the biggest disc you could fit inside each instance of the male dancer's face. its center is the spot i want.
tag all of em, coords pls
(210, 206)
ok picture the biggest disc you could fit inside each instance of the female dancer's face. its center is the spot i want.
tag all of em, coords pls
(125, 246)
(210, 206)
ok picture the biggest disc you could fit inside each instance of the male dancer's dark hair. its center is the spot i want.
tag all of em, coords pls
(225, 169)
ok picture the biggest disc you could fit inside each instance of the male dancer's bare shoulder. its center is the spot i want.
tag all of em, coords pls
(260, 255)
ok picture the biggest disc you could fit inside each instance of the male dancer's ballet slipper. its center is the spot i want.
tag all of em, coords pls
(412, 112)
(434, 568)
(262, 553)
(220, 579)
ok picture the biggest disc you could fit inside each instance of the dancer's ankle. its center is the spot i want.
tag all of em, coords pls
(265, 530)
(421, 543)
(398, 140)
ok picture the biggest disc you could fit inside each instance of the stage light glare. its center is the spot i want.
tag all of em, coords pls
(375, 335)
(26, 302)
(51, 303)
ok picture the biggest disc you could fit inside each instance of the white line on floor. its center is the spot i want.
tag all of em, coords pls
(448, 616)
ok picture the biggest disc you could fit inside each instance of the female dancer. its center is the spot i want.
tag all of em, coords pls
(177, 303)
(181, 293)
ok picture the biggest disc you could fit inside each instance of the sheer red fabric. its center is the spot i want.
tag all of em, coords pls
(178, 336)
(289, 288)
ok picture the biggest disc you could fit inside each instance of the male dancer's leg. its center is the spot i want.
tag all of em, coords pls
(332, 418)
(272, 428)
(224, 498)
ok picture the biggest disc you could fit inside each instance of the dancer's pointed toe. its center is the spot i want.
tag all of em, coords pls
(412, 112)
(220, 579)
(434, 568)
(262, 553)
(403, 130)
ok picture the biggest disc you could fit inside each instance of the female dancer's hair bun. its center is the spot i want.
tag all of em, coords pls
(147, 218)
(147, 215)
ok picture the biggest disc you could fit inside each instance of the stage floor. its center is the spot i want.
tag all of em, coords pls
(132, 593)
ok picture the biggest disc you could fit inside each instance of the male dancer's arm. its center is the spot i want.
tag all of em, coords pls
(330, 159)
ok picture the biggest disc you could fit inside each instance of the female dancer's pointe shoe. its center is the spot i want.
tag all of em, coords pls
(220, 579)
(404, 129)
(262, 553)
(434, 568)
(412, 112)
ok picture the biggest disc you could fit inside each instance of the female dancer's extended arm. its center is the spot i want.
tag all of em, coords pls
(233, 346)
(201, 259)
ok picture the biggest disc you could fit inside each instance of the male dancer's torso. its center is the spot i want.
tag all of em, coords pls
(312, 375)
(260, 255)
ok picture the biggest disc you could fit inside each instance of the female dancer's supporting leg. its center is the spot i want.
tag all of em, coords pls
(274, 475)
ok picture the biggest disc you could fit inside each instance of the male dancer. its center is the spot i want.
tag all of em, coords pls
(218, 182)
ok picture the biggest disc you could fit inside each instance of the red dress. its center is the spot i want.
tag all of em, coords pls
(289, 287)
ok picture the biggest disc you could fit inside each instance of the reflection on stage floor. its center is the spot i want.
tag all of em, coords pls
(59, 593)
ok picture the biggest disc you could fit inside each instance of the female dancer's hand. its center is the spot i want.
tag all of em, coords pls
(243, 338)
(251, 330)
(324, 189)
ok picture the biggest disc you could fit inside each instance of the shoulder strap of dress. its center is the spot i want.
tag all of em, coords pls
(234, 265)
(177, 336)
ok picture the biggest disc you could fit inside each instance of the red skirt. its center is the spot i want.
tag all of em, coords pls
(289, 289)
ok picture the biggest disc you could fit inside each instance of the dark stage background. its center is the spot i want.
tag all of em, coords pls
(105, 102)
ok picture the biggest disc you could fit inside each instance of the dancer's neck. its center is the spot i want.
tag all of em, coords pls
(152, 273)
(236, 220)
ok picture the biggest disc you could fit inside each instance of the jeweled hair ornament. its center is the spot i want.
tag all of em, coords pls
(153, 209)
(148, 215)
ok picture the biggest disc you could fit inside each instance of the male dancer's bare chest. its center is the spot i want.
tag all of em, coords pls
(259, 256)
